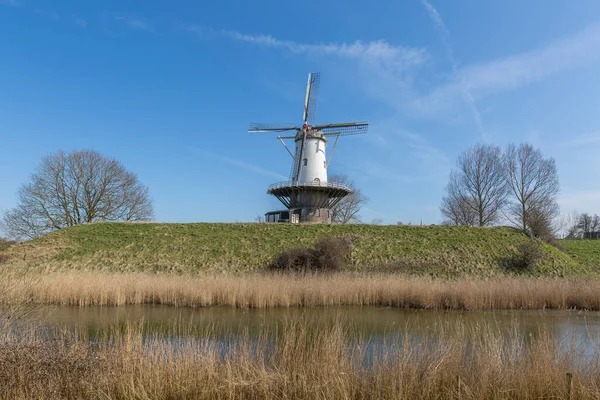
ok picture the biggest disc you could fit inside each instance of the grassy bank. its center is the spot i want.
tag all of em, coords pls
(585, 252)
(441, 251)
(262, 291)
(298, 362)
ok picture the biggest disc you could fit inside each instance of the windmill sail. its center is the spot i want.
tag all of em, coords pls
(312, 95)
(343, 129)
(258, 127)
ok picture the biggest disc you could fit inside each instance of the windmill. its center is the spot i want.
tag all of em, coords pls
(308, 195)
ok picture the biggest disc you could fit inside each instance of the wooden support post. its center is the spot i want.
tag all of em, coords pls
(570, 385)
(458, 386)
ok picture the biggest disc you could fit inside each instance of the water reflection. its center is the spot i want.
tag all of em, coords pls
(369, 324)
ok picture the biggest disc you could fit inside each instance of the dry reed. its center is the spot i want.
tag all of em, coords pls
(297, 362)
(259, 291)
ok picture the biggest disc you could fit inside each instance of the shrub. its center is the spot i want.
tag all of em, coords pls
(328, 255)
(540, 227)
(529, 256)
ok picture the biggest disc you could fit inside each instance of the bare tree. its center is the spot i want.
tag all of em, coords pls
(533, 183)
(584, 226)
(346, 211)
(73, 188)
(595, 226)
(566, 224)
(455, 206)
(588, 225)
(477, 190)
(540, 221)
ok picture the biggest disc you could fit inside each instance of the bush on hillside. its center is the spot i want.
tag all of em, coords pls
(328, 255)
(529, 256)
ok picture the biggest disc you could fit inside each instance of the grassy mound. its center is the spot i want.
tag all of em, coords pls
(232, 248)
(585, 252)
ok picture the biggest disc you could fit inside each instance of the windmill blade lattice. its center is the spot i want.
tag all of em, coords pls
(312, 96)
(343, 129)
(258, 127)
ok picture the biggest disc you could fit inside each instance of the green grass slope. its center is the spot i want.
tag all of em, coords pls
(585, 252)
(233, 248)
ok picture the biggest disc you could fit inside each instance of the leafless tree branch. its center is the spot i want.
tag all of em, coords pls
(346, 211)
(73, 188)
(477, 189)
(533, 185)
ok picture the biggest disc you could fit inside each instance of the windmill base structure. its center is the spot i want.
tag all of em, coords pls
(306, 203)
(308, 196)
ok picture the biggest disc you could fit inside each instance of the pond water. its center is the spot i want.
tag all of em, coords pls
(368, 324)
(374, 331)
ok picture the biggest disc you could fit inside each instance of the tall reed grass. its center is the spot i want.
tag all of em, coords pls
(257, 291)
(297, 362)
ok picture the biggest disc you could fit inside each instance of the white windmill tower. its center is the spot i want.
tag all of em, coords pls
(308, 195)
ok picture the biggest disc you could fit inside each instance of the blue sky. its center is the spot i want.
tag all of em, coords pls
(169, 89)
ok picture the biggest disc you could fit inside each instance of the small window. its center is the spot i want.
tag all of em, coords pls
(324, 164)
(305, 162)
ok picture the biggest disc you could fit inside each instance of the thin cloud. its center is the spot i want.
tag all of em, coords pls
(386, 69)
(135, 24)
(521, 69)
(82, 23)
(435, 16)
(582, 140)
(430, 163)
(511, 72)
(241, 164)
(196, 29)
(378, 50)
(47, 14)
(379, 171)
(425, 151)
(444, 34)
